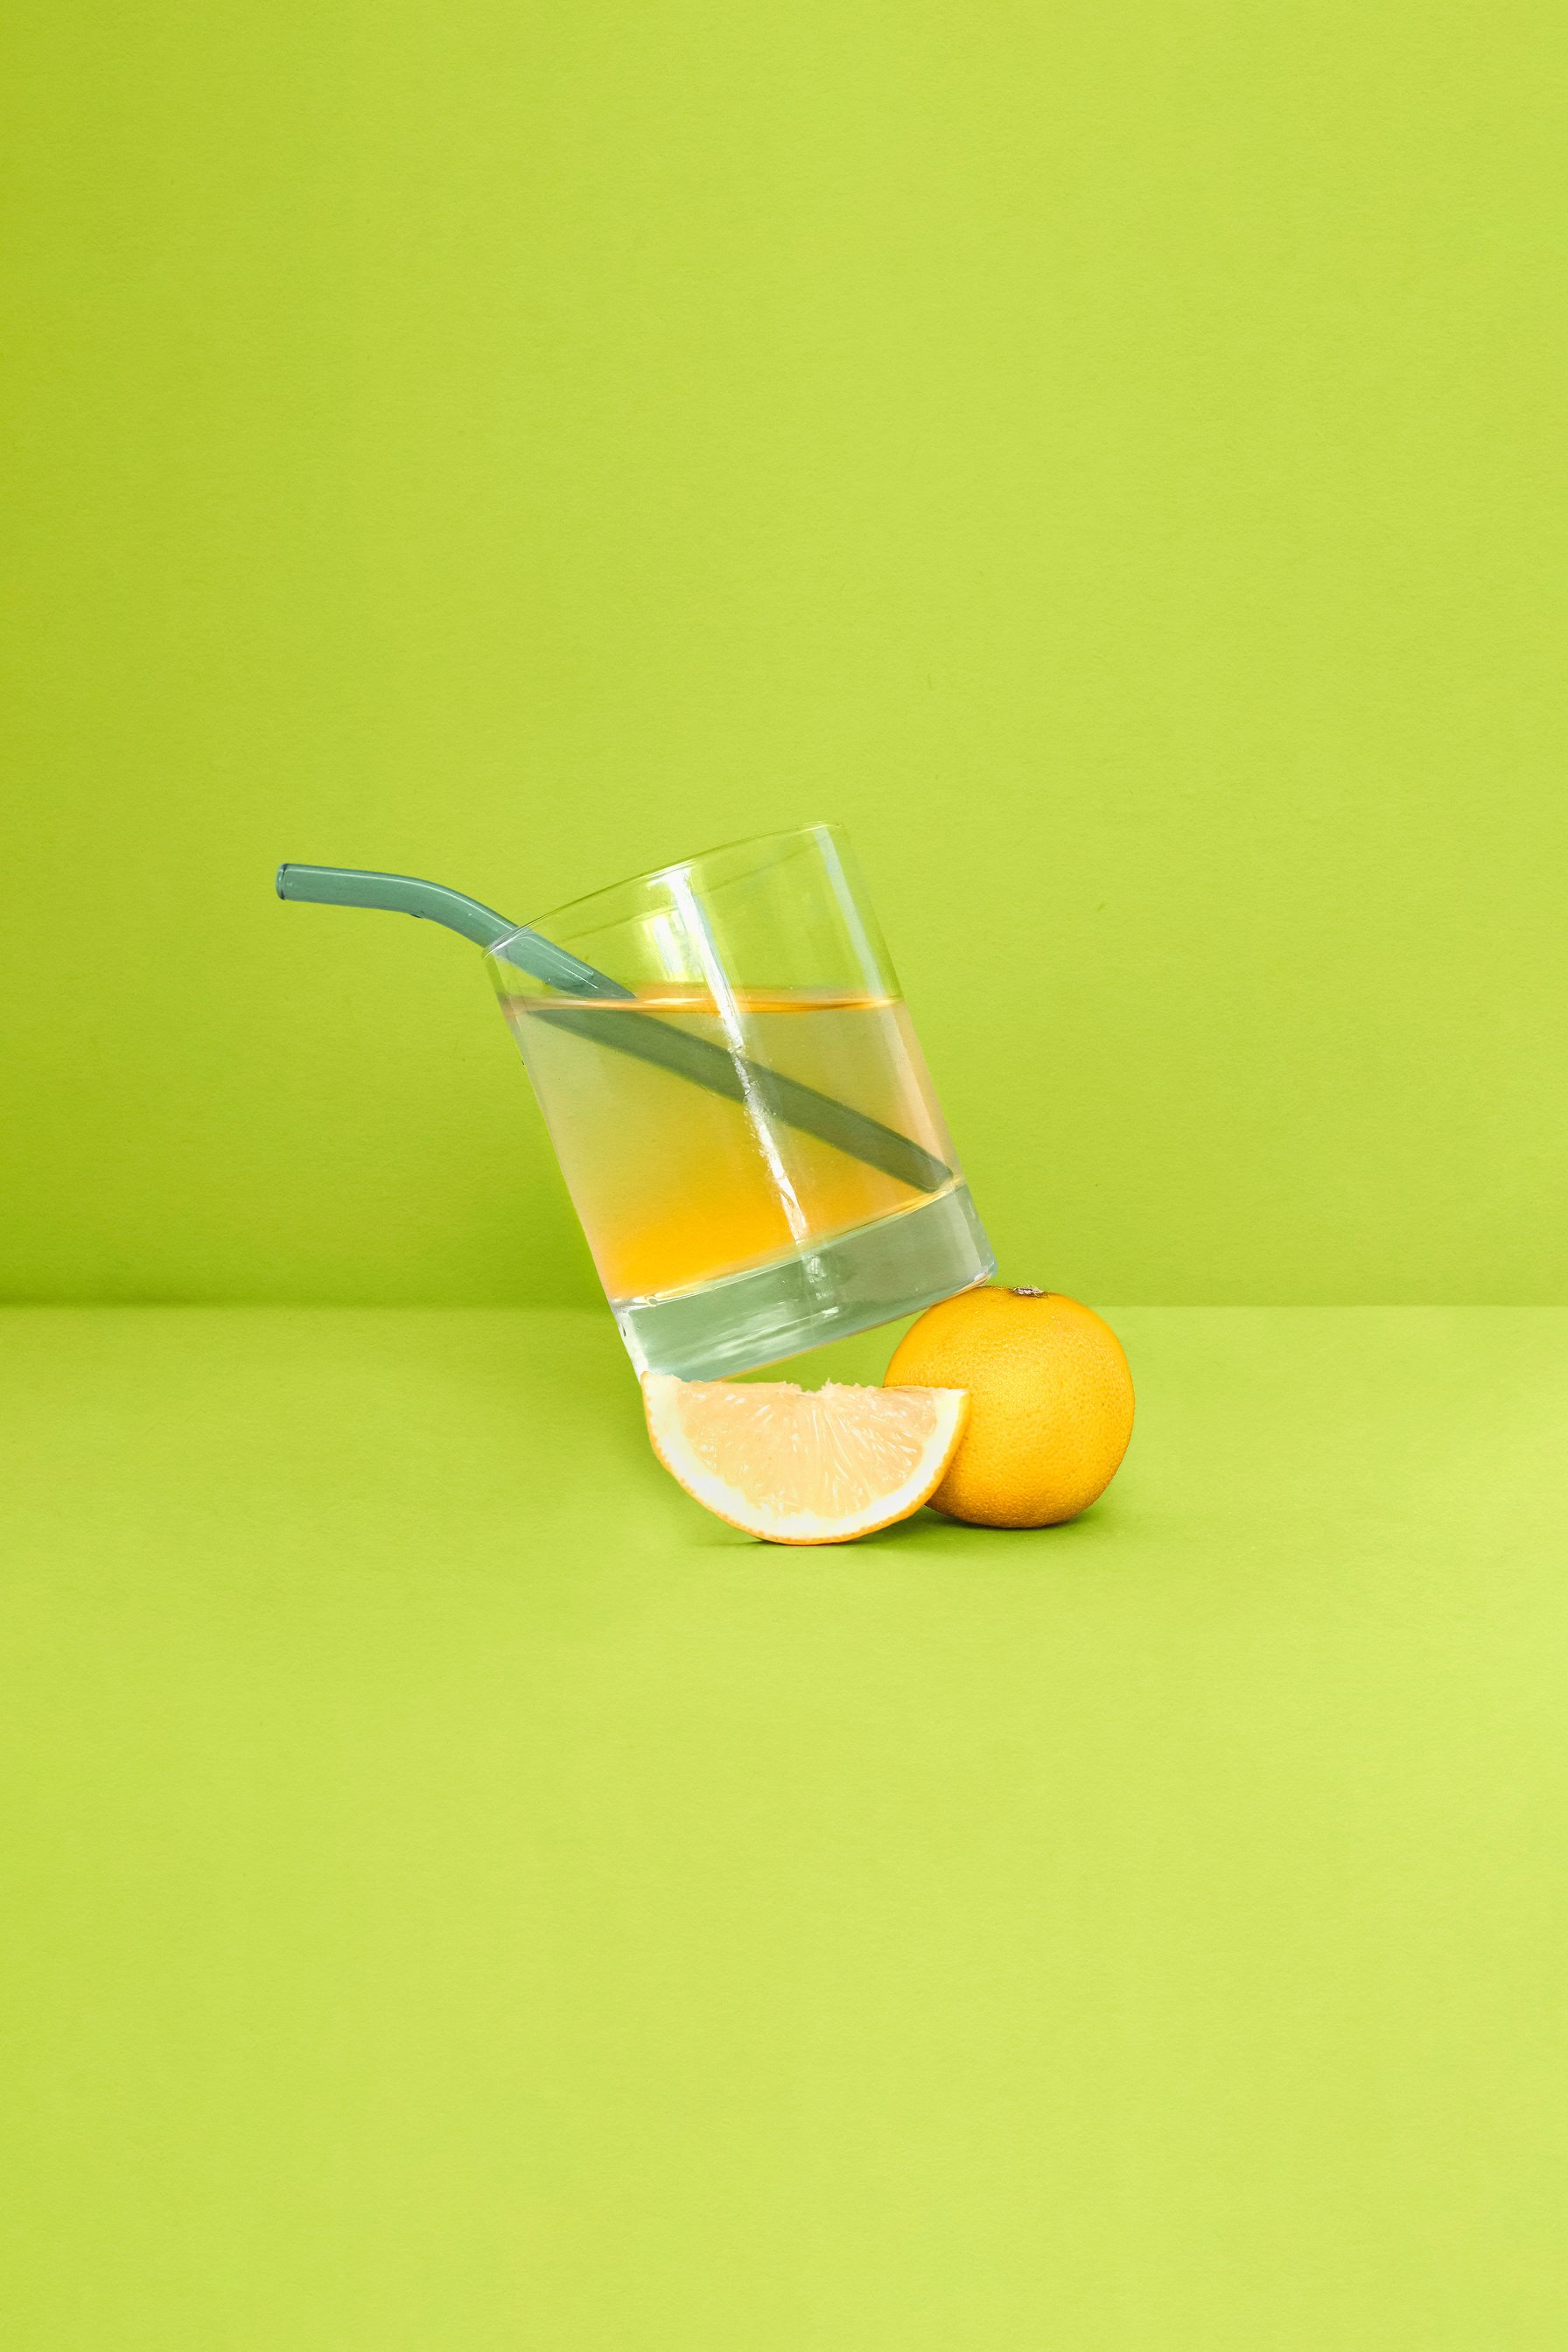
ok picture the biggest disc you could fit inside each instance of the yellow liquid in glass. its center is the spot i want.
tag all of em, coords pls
(676, 1185)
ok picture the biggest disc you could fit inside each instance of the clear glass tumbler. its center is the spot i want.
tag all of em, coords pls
(741, 1109)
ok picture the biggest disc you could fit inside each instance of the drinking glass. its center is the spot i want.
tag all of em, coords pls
(741, 1108)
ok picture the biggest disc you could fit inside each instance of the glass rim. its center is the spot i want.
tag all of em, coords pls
(574, 908)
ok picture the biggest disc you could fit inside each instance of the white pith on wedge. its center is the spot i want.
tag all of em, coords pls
(803, 1466)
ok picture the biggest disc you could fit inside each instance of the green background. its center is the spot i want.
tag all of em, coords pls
(461, 1897)
(1110, 456)
(457, 1896)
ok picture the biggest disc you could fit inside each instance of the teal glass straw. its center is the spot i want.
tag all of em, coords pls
(432, 902)
(697, 1059)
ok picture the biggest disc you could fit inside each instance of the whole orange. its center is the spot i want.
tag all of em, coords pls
(1050, 1403)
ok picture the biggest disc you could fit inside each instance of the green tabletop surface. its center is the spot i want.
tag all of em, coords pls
(459, 1895)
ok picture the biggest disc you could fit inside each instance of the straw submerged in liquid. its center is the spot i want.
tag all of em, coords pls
(725, 1063)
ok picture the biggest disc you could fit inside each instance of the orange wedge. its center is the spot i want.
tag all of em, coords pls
(803, 1466)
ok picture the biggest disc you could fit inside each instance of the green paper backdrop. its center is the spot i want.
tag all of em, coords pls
(1110, 456)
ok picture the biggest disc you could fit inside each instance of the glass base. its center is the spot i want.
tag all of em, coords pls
(849, 1283)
